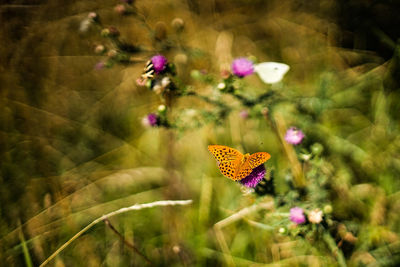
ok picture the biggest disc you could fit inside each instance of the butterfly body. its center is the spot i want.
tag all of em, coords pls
(234, 164)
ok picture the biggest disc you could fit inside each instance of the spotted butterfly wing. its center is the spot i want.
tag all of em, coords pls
(234, 164)
(228, 169)
(253, 161)
(229, 160)
(244, 171)
(257, 159)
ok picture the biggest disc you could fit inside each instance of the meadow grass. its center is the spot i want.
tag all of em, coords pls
(74, 147)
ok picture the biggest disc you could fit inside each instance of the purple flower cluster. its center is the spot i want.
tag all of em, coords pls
(151, 120)
(242, 67)
(297, 215)
(244, 114)
(159, 63)
(294, 136)
(100, 65)
(254, 177)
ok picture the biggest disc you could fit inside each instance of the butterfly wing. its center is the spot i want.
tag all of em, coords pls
(252, 162)
(257, 159)
(228, 169)
(224, 153)
(148, 71)
(229, 160)
(244, 171)
(271, 72)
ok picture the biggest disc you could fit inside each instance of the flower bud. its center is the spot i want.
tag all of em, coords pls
(178, 24)
(165, 82)
(112, 53)
(120, 9)
(92, 15)
(176, 249)
(114, 32)
(162, 108)
(244, 114)
(195, 74)
(317, 149)
(315, 216)
(141, 82)
(328, 209)
(158, 89)
(221, 86)
(105, 32)
(100, 65)
(225, 74)
(99, 49)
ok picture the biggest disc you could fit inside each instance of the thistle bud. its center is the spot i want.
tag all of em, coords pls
(178, 24)
(120, 9)
(93, 16)
(112, 53)
(99, 49)
(221, 86)
(162, 108)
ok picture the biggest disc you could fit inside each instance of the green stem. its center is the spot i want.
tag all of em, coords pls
(334, 249)
(251, 102)
(207, 99)
(25, 250)
(130, 245)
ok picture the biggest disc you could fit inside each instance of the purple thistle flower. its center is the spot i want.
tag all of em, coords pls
(99, 65)
(294, 136)
(297, 215)
(151, 120)
(159, 63)
(244, 114)
(242, 67)
(254, 177)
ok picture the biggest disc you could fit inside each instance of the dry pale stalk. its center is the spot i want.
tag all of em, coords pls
(108, 215)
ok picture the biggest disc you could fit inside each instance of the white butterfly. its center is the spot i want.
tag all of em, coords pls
(271, 72)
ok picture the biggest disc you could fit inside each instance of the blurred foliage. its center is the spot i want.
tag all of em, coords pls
(73, 146)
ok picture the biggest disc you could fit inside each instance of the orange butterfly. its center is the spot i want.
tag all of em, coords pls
(234, 164)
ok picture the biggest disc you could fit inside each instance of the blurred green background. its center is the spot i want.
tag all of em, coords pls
(73, 146)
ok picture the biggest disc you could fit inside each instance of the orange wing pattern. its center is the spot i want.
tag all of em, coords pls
(231, 162)
(243, 172)
(225, 153)
(252, 162)
(227, 169)
(257, 159)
